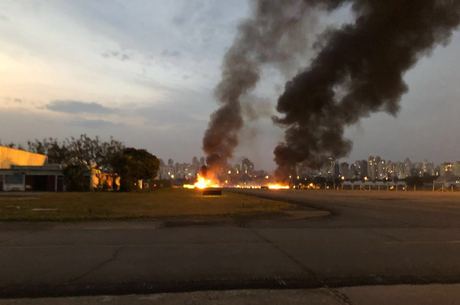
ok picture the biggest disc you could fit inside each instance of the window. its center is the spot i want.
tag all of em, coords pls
(14, 179)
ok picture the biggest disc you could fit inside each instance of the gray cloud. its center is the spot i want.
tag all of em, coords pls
(176, 114)
(94, 124)
(72, 106)
(170, 53)
(116, 54)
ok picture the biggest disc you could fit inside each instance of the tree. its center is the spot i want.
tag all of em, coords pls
(78, 156)
(58, 153)
(12, 145)
(135, 164)
(93, 153)
(81, 151)
(77, 178)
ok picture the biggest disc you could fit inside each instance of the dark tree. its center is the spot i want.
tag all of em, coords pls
(58, 153)
(12, 145)
(92, 152)
(133, 165)
(77, 178)
(81, 151)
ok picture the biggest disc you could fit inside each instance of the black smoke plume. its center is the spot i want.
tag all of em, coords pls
(358, 70)
(274, 34)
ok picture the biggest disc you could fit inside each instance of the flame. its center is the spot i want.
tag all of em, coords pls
(277, 186)
(209, 181)
(202, 183)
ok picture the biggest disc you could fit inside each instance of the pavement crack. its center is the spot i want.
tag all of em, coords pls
(339, 296)
(112, 258)
(286, 254)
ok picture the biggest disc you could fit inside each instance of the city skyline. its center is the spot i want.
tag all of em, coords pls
(372, 168)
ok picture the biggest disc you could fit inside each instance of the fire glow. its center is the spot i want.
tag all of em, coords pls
(277, 186)
(207, 180)
(202, 183)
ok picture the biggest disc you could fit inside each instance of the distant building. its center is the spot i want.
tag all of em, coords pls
(456, 169)
(330, 169)
(373, 167)
(407, 171)
(447, 169)
(24, 171)
(359, 169)
(344, 170)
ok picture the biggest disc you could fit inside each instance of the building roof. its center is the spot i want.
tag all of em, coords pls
(49, 169)
(11, 156)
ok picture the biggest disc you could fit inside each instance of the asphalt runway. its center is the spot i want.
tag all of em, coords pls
(368, 239)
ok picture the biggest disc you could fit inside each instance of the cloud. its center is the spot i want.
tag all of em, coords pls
(116, 54)
(170, 115)
(95, 124)
(16, 100)
(170, 53)
(72, 106)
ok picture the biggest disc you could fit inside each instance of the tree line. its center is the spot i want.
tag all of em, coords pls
(78, 155)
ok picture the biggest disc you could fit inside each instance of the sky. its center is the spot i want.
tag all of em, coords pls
(144, 72)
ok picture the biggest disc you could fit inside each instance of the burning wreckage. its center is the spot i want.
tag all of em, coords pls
(208, 183)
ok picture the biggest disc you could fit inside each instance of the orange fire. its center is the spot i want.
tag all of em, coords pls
(202, 183)
(277, 186)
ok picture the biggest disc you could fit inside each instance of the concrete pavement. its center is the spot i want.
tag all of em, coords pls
(369, 295)
(382, 242)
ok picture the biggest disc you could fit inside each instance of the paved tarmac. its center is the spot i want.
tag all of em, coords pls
(395, 239)
(368, 295)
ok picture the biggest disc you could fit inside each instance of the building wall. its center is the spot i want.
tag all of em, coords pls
(10, 156)
(14, 183)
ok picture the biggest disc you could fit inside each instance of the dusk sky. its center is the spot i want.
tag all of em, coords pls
(144, 72)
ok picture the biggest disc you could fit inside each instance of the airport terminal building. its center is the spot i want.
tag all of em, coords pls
(24, 171)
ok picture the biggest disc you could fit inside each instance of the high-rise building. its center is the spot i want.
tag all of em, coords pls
(330, 169)
(381, 170)
(428, 168)
(359, 169)
(456, 169)
(344, 170)
(372, 167)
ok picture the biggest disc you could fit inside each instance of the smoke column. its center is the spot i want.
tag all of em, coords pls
(358, 70)
(274, 34)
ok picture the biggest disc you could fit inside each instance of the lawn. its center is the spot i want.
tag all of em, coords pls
(106, 206)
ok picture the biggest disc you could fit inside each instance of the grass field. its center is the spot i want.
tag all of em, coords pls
(106, 206)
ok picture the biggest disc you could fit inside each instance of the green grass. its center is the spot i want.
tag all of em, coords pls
(107, 206)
